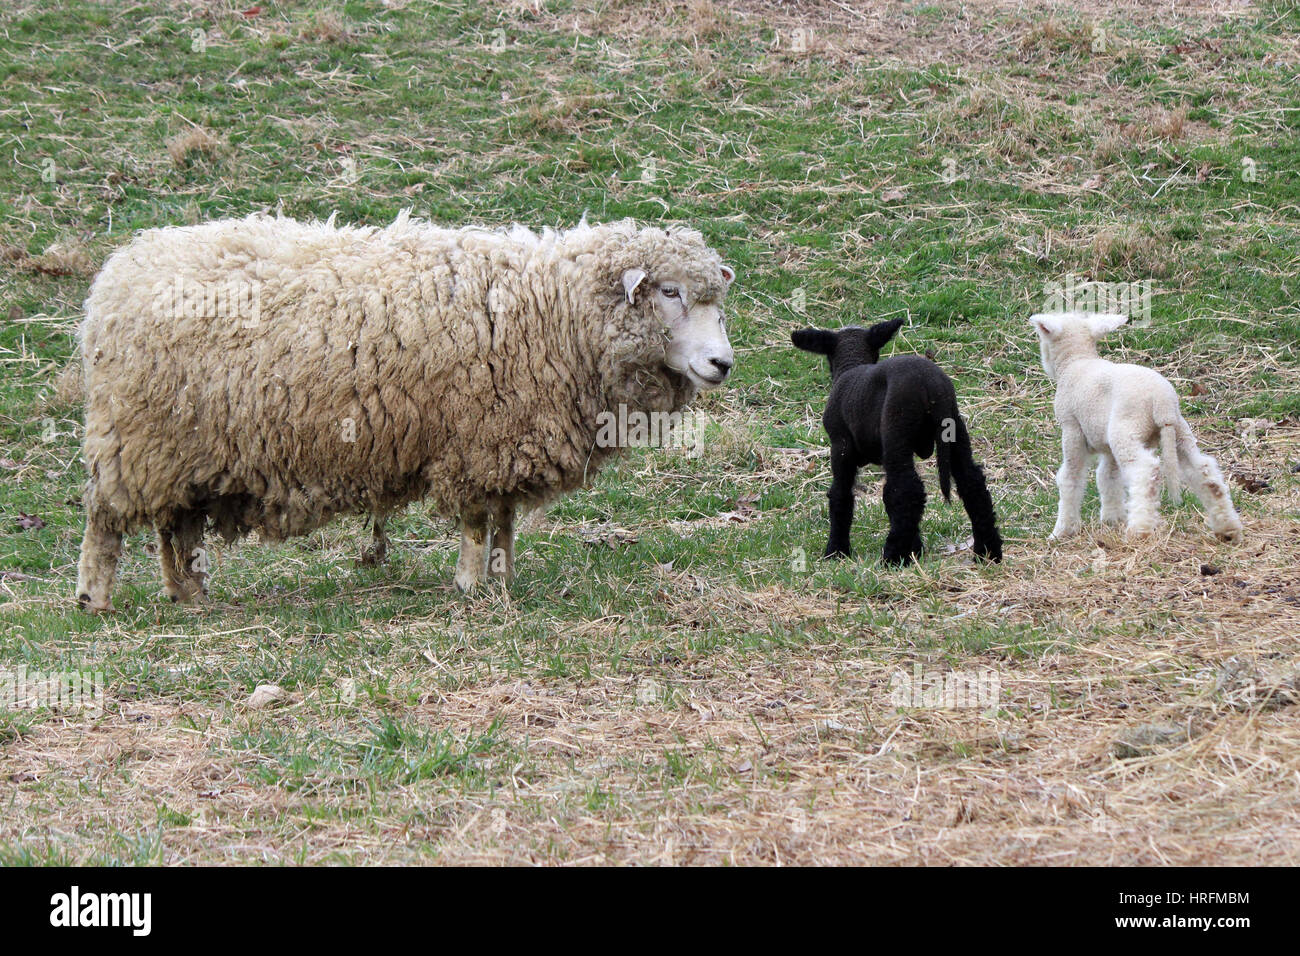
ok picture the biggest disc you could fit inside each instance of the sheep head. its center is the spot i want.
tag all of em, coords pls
(849, 346)
(682, 293)
(1069, 335)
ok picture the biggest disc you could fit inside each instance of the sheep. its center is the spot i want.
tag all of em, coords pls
(883, 413)
(267, 374)
(1120, 413)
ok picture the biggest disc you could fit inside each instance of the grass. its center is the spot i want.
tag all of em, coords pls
(675, 676)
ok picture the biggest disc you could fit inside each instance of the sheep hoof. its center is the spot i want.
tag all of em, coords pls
(1231, 536)
(179, 593)
(96, 607)
(371, 558)
(836, 555)
(991, 553)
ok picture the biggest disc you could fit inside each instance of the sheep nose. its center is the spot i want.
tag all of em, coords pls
(722, 365)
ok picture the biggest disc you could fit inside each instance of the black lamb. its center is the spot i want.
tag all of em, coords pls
(883, 413)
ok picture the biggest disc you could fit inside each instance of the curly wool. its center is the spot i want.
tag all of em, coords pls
(366, 367)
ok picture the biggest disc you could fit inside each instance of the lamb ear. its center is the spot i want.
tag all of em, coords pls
(728, 274)
(1099, 325)
(820, 341)
(882, 332)
(1046, 323)
(631, 279)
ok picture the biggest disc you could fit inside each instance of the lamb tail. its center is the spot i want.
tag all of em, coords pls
(1169, 461)
(944, 440)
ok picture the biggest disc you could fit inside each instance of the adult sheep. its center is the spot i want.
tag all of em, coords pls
(265, 374)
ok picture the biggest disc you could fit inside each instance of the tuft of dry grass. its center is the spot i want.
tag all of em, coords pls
(326, 27)
(193, 145)
(68, 258)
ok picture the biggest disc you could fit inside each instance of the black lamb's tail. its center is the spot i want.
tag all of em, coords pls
(943, 440)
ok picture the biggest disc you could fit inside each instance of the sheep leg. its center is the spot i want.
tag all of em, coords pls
(473, 550)
(377, 553)
(1111, 489)
(905, 503)
(101, 548)
(843, 474)
(1140, 470)
(1071, 479)
(501, 553)
(1201, 473)
(182, 558)
(975, 498)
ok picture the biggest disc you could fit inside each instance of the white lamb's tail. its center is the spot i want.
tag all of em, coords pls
(1169, 461)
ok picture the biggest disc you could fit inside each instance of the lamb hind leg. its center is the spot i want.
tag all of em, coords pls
(1111, 489)
(843, 474)
(975, 498)
(905, 503)
(1140, 470)
(1201, 473)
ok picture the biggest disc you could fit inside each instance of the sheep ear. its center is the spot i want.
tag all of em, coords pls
(632, 278)
(1046, 323)
(1099, 325)
(820, 341)
(728, 274)
(882, 332)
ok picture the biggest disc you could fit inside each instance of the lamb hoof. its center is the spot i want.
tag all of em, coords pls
(1231, 536)
(465, 583)
(992, 553)
(836, 555)
(370, 558)
(897, 559)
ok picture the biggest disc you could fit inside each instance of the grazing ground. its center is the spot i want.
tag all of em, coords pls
(676, 677)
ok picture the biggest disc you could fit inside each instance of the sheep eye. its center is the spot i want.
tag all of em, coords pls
(671, 292)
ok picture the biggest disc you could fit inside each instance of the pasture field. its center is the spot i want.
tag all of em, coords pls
(675, 676)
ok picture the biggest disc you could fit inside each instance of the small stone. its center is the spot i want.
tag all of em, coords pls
(266, 695)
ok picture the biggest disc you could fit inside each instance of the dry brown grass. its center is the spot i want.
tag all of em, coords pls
(195, 144)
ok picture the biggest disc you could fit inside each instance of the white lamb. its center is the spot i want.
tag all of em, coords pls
(1122, 413)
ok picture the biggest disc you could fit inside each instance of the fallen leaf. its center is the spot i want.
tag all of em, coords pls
(28, 522)
(1251, 483)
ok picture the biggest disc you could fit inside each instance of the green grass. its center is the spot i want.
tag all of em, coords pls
(822, 179)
